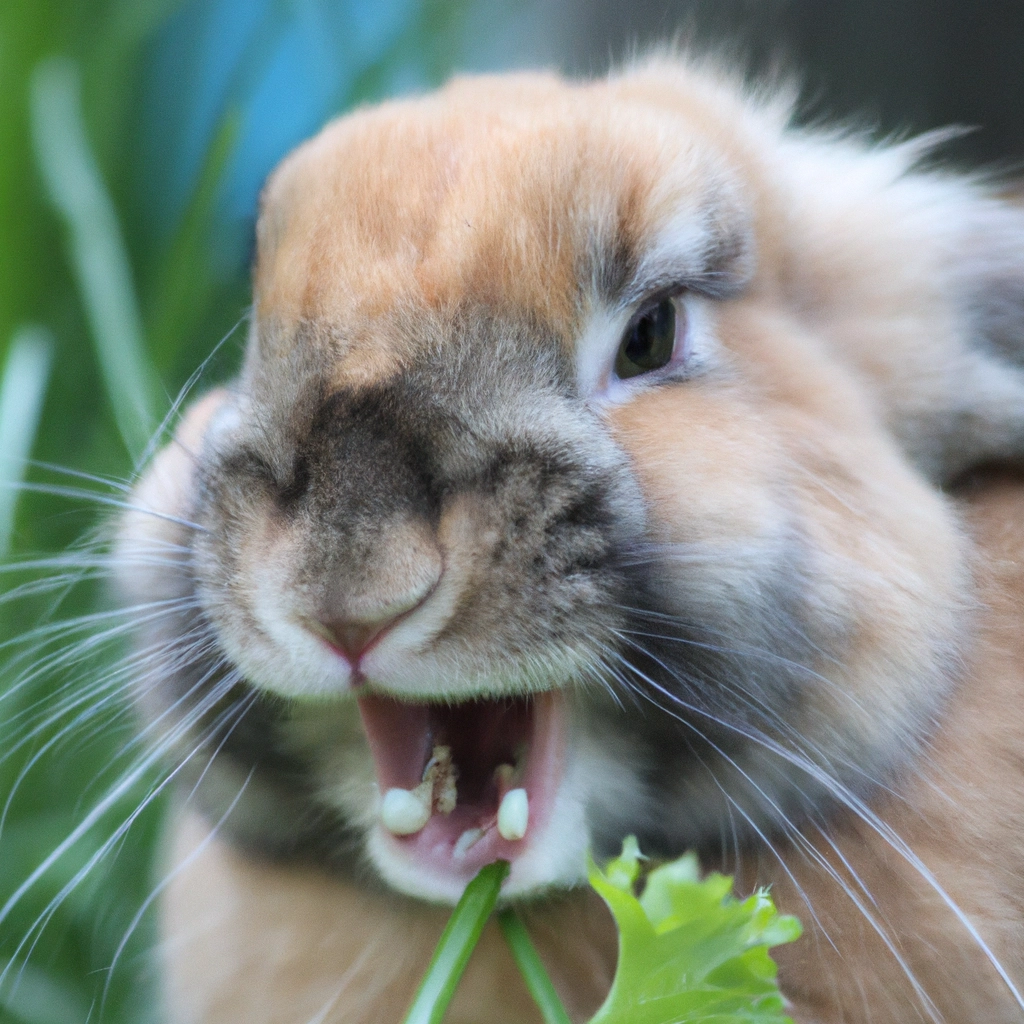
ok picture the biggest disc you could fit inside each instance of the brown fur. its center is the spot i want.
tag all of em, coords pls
(297, 946)
(444, 278)
(247, 942)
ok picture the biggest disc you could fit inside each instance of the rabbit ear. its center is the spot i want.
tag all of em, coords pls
(985, 421)
(918, 279)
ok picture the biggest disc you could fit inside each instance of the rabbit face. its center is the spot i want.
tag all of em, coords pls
(585, 447)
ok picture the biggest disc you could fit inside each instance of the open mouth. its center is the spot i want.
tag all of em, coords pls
(464, 784)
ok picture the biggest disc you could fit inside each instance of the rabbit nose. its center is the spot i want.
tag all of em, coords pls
(352, 626)
(354, 631)
(353, 637)
(376, 583)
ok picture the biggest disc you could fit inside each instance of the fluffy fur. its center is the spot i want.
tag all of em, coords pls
(775, 635)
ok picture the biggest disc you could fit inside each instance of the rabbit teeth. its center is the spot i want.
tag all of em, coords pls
(466, 841)
(514, 815)
(405, 811)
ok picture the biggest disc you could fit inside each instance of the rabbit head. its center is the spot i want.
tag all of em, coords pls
(589, 445)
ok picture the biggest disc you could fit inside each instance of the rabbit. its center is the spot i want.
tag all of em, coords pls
(608, 458)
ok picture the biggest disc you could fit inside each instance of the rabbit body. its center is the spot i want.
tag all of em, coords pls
(614, 436)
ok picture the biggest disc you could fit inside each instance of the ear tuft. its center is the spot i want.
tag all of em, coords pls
(985, 274)
(990, 269)
(917, 278)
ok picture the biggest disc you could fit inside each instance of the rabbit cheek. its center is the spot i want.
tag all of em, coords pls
(711, 476)
(820, 601)
(885, 595)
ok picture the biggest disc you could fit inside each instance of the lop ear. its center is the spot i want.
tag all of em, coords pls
(985, 272)
(918, 279)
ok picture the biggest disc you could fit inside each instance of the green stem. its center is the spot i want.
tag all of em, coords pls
(457, 942)
(97, 250)
(532, 969)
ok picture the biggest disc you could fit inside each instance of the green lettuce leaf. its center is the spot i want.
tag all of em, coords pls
(689, 951)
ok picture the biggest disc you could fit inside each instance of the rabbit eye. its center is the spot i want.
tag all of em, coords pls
(649, 342)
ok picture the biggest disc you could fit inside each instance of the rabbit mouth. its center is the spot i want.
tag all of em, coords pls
(464, 784)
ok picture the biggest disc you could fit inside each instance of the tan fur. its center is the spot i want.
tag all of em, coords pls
(855, 361)
(253, 943)
(962, 816)
(249, 942)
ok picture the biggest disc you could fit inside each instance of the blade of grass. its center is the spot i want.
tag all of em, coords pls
(41, 998)
(532, 968)
(26, 372)
(457, 942)
(97, 250)
(185, 285)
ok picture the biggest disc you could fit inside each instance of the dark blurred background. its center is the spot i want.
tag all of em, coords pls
(134, 135)
(894, 65)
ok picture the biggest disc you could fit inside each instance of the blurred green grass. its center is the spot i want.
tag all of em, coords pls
(112, 292)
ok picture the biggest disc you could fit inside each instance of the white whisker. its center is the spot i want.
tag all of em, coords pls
(848, 799)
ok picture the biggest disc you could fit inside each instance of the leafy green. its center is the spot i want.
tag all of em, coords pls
(689, 950)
